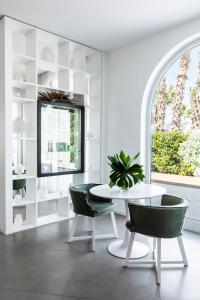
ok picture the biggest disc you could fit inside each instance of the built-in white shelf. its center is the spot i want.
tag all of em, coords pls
(23, 176)
(21, 202)
(48, 66)
(52, 196)
(52, 219)
(17, 228)
(46, 87)
(23, 100)
(22, 58)
(22, 84)
(31, 139)
(40, 61)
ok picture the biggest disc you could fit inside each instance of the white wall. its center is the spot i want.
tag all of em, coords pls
(127, 71)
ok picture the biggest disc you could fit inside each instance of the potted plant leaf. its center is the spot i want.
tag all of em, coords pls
(124, 172)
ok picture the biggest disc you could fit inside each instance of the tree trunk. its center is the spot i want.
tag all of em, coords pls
(179, 91)
(160, 106)
(195, 104)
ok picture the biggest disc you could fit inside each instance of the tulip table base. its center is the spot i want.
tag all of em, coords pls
(119, 249)
(138, 192)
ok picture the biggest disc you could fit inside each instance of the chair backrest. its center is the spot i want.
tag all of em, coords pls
(164, 221)
(80, 198)
(19, 184)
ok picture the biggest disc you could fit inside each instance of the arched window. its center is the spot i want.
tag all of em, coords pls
(170, 119)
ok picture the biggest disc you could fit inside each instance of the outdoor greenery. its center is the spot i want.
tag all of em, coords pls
(176, 119)
(166, 157)
(124, 172)
(74, 125)
(190, 152)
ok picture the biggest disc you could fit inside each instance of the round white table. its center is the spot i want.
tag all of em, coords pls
(138, 192)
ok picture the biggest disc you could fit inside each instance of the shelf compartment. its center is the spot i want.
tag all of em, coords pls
(53, 196)
(93, 62)
(80, 82)
(23, 92)
(28, 213)
(77, 56)
(52, 48)
(24, 70)
(24, 40)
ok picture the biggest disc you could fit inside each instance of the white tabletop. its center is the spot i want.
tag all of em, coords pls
(139, 191)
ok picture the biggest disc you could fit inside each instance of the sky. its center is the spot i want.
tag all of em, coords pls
(171, 75)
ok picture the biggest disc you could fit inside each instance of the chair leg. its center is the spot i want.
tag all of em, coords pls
(130, 246)
(154, 244)
(75, 221)
(114, 224)
(93, 234)
(182, 249)
(158, 264)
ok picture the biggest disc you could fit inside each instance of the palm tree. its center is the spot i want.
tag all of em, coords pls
(179, 91)
(195, 103)
(160, 106)
(164, 97)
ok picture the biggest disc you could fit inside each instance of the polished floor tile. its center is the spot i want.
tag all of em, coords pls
(40, 264)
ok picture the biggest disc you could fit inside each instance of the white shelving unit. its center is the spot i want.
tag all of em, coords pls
(34, 60)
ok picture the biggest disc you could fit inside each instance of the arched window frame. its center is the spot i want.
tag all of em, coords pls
(148, 96)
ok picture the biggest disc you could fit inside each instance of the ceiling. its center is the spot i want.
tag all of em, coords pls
(102, 24)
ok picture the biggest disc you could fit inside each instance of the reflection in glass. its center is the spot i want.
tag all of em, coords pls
(61, 138)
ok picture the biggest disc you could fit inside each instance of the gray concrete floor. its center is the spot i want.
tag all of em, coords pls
(38, 264)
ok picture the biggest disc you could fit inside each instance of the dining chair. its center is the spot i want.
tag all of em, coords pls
(86, 204)
(160, 222)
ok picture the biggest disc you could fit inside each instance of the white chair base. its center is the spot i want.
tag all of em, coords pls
(93, 237)
(156, 261)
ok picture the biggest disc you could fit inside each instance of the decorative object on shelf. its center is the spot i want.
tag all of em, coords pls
(50, 146)
(55, 96)
(19, 92)
(19, 169)
(47, 78)
(18, 197)
(19, 126)
(124, 173)
(18, 221)
(19, 189)
(47, 54)
(20, 78)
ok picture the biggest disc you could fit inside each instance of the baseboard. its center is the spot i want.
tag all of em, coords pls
(192, 225)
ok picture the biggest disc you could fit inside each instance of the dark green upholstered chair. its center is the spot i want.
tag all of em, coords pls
(19, 184)
(86, 204)
(162, 221)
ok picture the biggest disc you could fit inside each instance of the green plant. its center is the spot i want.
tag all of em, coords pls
(124, 173)
(190, 151)
(165, 153)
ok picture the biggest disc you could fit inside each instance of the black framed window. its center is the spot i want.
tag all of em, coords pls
(60, 138)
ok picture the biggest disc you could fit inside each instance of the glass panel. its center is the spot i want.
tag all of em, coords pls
(60, 139)
(176, 121)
